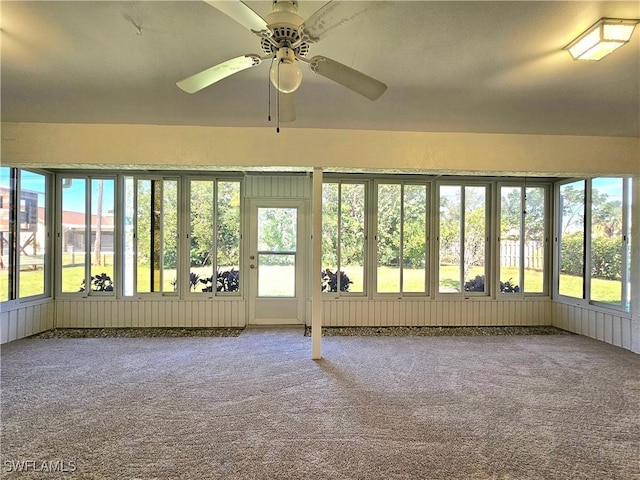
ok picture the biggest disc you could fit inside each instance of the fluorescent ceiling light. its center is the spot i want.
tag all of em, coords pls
(602, 38)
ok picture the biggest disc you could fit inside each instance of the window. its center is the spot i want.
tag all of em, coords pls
(593, 236)
(609, 240)
(151, 235)
(522, 239)
(343, 237)
(7, 233)
(571, 209)
(463, 239)
(401, 238)
(87, 235)
(24, 234)
(214, 254)
(33, 235)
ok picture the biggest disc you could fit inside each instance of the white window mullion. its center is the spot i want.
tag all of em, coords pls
(523, 240)
(626, 231)
(339, 240)
(87, 235)
(401, 250)
(463, 215)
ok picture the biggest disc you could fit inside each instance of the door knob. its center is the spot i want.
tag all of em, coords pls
(252, 266)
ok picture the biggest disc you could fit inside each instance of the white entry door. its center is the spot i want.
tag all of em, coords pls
(276, 257)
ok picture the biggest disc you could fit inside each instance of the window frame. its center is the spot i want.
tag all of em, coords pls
(116, 279)
(136, 177)
(523, 186)
(427, 237)
(586, 300)
(13, 256)
(625, 300)
(367, 257)
(557, 257)
(489, 207)
(186, 248)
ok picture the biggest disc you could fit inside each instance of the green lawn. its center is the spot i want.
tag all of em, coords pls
(606, 291)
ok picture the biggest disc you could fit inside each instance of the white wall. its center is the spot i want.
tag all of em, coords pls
(24, 320)
(449, 313)
(181, 147)
(101, 313)
(600, 324)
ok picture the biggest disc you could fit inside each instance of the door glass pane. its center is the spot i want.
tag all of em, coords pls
(276, 275)
(534, 235)
(277, 229)
(102, 234)
(73, 234)
(450, 223)
(571, 277)
(32, 241)
(607, 235)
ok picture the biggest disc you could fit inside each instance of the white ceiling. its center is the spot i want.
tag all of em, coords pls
(450, 66)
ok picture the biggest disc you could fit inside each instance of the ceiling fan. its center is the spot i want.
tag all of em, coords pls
(285, 38)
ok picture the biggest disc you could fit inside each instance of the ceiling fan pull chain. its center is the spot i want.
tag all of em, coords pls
(269, 95)
(278, 101)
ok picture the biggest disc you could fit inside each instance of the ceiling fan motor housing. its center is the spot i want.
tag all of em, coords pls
(285, 24)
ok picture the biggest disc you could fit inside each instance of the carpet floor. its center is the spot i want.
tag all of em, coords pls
(257, 407)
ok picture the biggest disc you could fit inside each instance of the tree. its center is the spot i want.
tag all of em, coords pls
(606, 215)
(572, 207)
(343, 207)
(228, 223)
(97, 246)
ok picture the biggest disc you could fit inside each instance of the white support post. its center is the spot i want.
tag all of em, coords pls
(316, 253)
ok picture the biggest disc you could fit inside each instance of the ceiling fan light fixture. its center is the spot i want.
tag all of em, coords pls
(285, 75)
(602, 38)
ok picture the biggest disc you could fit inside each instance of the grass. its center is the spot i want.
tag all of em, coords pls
(605, 291)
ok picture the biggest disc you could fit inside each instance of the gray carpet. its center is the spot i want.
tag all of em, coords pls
(256, 407)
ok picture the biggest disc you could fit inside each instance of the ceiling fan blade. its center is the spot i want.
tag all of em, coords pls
(287, 107)
(201, 80)
(241, 13)
(348, 77)
(333, 15)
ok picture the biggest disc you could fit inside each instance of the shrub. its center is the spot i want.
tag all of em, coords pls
(509, 287)
(99, 283)
(606, 258)
(226, 281)
(477, 285)
(572, 254)
(330, 281)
